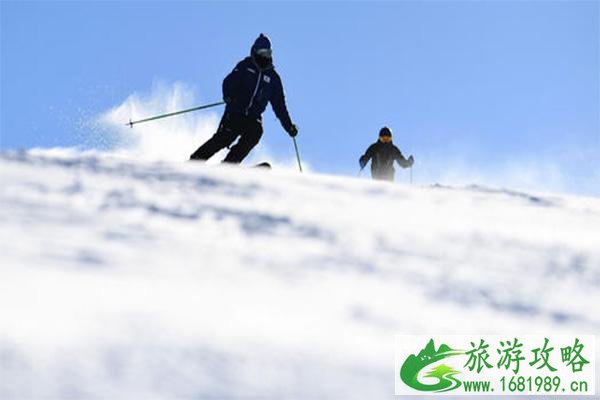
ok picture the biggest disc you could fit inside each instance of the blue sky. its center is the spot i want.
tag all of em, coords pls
(479, 89)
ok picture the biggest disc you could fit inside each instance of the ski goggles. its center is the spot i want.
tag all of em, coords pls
(385, 139)
(264, 52)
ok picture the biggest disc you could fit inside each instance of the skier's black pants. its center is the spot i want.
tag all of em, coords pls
(232, 125)
(383, 175)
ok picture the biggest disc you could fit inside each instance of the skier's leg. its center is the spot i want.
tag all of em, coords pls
(382, 175)
(389, 175)
(250, 136)
(225, 135)
(376, 173)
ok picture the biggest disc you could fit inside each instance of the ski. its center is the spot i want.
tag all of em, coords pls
(265, 165)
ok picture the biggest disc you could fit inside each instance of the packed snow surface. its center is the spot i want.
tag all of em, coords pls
(145, 280)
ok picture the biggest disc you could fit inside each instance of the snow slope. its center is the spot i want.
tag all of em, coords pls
(125, 279)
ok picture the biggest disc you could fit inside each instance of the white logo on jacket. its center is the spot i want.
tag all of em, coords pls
(266, 79)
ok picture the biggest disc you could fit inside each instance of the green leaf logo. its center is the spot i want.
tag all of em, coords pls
(409, 372)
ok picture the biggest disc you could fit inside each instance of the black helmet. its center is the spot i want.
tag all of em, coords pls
(385, 131)
(385, 135)
(261, 51)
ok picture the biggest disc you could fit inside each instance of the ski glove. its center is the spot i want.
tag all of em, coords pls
(411, 161)
(228, 100)
(362, 161)
(292, 130)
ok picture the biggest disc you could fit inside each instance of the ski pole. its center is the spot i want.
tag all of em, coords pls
(297, 154)
(411, 175)
(131, 123)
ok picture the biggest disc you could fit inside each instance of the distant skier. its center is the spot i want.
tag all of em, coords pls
(382, 154)
(246, 90)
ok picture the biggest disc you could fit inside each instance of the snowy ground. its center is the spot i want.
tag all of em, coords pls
(143, 280)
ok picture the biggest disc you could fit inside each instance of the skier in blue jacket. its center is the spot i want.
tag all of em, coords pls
(246, 90)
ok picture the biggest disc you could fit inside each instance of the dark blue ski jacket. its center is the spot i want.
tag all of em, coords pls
(248, 89)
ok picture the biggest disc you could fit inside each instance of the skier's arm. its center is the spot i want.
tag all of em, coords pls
(364, 159)
(231, 83)
(279, 106)
(403, 162)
